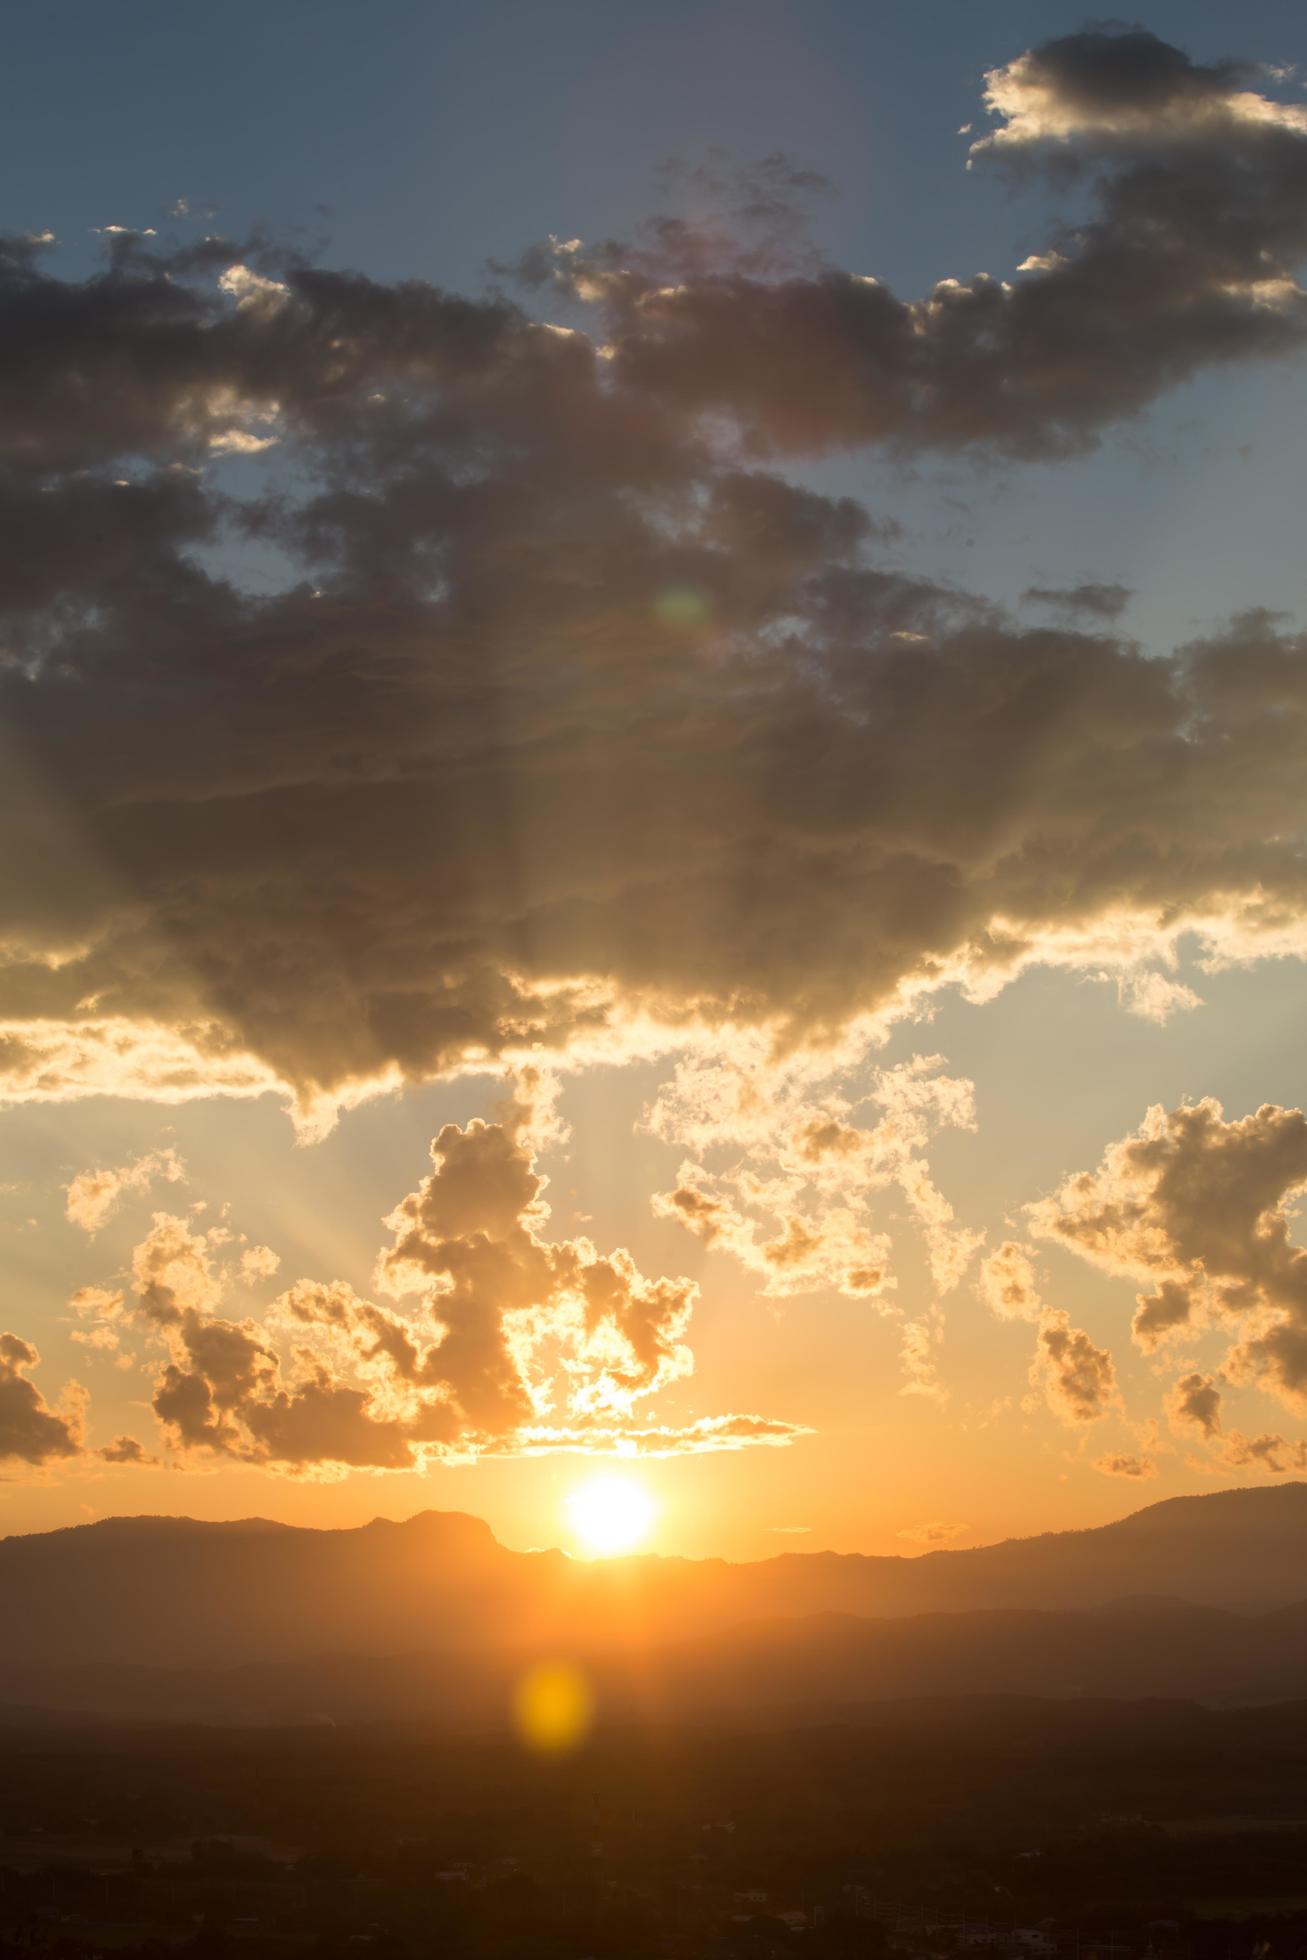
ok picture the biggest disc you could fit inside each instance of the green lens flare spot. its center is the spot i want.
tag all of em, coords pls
(683, 606)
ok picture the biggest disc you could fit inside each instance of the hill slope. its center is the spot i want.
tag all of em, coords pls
(827, 1666)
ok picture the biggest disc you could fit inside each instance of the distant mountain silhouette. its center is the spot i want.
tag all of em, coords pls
(1197, 1596)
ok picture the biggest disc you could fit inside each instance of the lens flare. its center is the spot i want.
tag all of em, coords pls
(552, 1707)
(683, 606)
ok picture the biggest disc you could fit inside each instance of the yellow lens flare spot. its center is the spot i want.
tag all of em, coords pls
(611, 1515)
(553, 1707)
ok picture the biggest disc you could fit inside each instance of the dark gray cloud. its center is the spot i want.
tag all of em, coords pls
(30, 1430)
(568, 713)
(1187, 258)
(1112, 78)
(1099, 601)
(1201, 1209)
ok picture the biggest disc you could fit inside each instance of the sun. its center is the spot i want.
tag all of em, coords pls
(611, 1515)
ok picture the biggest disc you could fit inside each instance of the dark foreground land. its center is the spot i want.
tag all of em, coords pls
(925, 1828)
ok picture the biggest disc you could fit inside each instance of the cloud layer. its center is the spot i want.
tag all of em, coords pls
(1197, 1208)
(501, 1341)
(398, 683)
(560, 716)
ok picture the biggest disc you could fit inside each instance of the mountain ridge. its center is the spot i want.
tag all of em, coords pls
(175, 1593)
(779, 1669)
(1249, 1499)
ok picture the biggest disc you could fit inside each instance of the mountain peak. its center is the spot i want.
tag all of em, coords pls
(1266, 1508)
(451, 1528)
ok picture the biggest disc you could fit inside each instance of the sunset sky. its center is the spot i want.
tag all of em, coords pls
(654, 748)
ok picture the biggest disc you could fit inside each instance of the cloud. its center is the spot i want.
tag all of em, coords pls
(53, 1060)
(1194, 1403)
(126, 1449)
(1199, 1209)
(794, 1173)
(1185, 259)
(919, 1344)
(503, 1341)
(1272, 1453)
(1122, 1465)
(1008, 1285)
(1154, 996)
(30, 1430)
(258, 1262)
(1078, 1379)
(1099, 601)
(470, 1239)
(102, 1339)
(172, 1272)
(93, 1196)
(706, 1435)
(936, 1533)
(785, 1163)
(1122, 85)
(572, 722)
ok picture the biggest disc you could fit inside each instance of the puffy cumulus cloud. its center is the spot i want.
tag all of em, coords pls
(518, 1311)
(793, 1171)
(172, 1272)
(1199, 1209)
(99, 1303)
(1077, 1378)
(30, 1430)
(224, 1388)
(258, 1262)
(1194, 1404)
(1095, 88)
(502, 1340)
(93, 1196)
(1122, 1464)
(1272, 1453)
(786, 1164)
(127, 1450)
(573, 722)
(1008, 1285)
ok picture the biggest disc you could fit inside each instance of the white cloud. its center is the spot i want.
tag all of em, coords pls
(94, 1195)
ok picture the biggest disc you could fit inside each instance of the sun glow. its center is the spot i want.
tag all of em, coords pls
(610, 1515)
